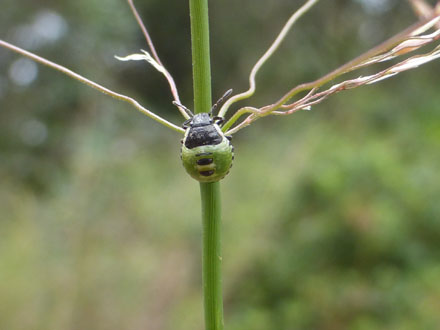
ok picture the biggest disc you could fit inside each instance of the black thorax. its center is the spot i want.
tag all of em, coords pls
(202, 136)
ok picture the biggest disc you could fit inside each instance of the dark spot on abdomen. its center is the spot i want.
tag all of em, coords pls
(205, 161)
(207, 173)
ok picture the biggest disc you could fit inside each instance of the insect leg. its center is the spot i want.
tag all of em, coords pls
(218, 120)
(186, 123)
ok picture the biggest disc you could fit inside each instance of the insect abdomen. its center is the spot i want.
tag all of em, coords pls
(208, 163)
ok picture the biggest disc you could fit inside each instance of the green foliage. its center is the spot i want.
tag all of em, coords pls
(331, 216)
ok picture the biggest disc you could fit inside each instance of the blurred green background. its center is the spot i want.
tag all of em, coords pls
(331, 216)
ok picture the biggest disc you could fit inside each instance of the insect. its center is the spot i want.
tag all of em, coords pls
(207, 153)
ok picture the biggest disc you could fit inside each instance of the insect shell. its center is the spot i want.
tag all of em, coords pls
(206, 153)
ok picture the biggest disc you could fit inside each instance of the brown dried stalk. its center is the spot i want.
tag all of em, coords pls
(405, 42)
(154, 60)
(165, 72)
(90, 83)
(278, 40)
(424, 10)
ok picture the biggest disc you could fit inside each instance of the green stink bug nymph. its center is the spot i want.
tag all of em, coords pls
(206, 153)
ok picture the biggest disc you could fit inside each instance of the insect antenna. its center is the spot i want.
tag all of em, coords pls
(181, 106)
(221, 100)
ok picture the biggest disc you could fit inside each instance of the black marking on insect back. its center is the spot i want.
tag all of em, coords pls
(205, 161)
(207, 173)
(202, 136)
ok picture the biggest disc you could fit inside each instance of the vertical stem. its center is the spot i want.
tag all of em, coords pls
(200, 55)
(212, 260)
(210, 192)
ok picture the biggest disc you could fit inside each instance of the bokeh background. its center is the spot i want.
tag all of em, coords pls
(331, 216)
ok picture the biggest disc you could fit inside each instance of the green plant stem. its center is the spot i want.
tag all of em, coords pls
(200, 55)
(212, 260)
(210, 192)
